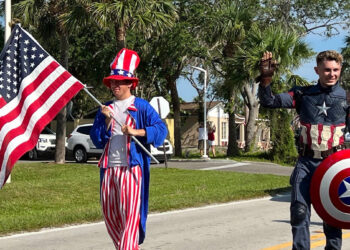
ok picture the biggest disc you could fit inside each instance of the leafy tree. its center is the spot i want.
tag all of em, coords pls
(228, 22)
(48, 19)
(282, 137)
(346, 64)
(305, 16)
(171, 51)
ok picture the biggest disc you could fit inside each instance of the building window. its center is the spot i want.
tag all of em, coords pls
(224, 130)
(238, 132)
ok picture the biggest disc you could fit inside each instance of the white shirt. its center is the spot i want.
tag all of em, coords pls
(202, 134)
(117, 155)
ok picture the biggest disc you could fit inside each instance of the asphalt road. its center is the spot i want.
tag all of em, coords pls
(229, 165)
(253, 224)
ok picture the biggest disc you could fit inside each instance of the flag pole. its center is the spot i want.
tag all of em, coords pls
(132, 137)
(7, 35)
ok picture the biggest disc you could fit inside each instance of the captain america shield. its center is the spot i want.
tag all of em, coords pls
(330, 189)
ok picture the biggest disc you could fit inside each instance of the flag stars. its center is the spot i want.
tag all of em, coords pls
(1, 86)
(33, 56)
(26, 42)
(32, 65)
(1, 79)
(25, 49)
(8, 72)
(34, 48)
(41, 55)
(25, 57)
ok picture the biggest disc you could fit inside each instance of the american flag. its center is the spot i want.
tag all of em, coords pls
(33, 89)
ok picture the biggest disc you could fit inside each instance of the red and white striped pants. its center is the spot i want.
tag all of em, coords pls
(120, 200)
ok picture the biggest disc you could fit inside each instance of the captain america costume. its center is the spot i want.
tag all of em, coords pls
(323, 114)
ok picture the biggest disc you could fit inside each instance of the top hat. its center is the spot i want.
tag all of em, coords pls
(123, 67)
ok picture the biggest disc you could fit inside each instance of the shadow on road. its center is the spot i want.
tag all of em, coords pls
(282, 196)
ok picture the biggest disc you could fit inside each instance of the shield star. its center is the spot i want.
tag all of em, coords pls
(347, 192)
(323, 109)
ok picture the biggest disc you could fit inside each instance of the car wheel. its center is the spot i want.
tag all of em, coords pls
(33, 154)
(80, 154)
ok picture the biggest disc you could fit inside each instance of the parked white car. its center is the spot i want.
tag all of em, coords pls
(81, 147)
(46, 144)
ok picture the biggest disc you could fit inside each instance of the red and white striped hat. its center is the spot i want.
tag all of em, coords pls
(123, 67)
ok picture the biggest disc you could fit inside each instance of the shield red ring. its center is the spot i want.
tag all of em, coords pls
(330, 189)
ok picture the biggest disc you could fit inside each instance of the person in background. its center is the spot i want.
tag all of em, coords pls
(211, 139)
(124, 165)
(202, 137)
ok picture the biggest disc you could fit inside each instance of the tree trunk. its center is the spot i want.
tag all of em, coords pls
(232, 147)
(120, 36)
(253, 106)
(177, 118)
(61, 118)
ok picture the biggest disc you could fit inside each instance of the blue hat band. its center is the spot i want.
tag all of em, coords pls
(121, 72)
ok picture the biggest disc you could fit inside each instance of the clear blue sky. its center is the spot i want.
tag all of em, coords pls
(316, 42)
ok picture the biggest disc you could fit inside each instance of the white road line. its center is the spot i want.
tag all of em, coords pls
(226, 166)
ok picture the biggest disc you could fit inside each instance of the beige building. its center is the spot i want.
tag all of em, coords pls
(217, 117)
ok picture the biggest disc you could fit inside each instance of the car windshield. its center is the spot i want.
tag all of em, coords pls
(47, 131)
(84, 129)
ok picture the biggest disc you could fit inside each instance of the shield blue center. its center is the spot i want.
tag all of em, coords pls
(344, 191)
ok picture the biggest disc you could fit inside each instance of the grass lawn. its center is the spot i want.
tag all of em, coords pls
(48, 195)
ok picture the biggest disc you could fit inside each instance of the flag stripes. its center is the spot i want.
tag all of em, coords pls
(42, 93)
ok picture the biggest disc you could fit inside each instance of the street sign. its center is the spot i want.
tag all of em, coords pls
(161, 106)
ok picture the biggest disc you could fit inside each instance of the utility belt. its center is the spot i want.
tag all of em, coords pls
(305, 150)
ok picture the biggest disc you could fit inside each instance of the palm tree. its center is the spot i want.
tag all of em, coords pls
(289, 50)
(144, 16)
